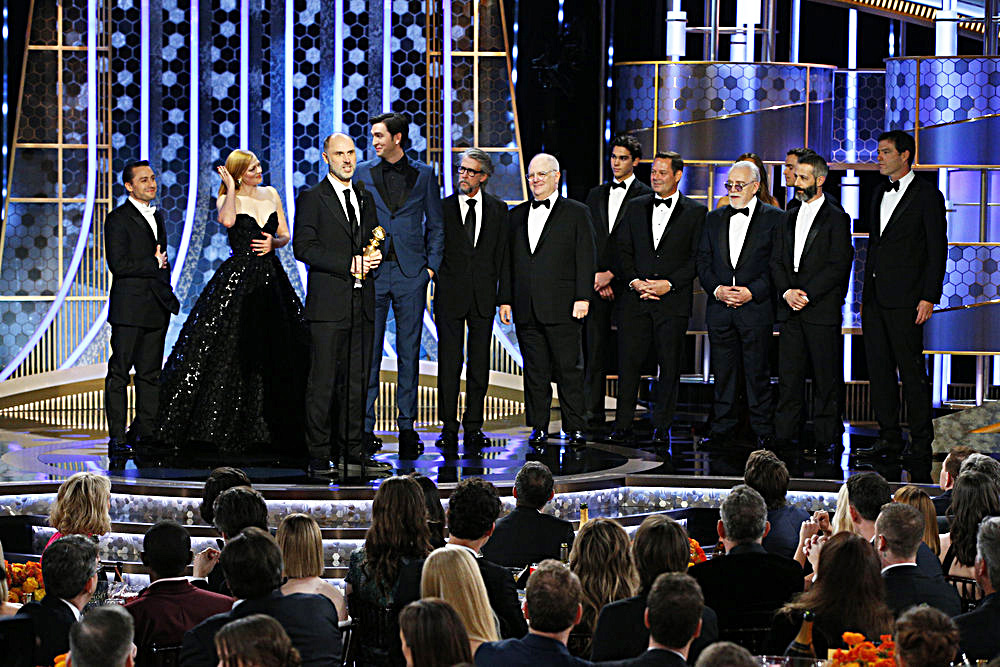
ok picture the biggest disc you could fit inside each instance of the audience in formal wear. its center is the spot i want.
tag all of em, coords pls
(473, 508)
(898, 533)
(976, 496)
(527, 535)
(726, 654)
(103, 638)
(982, 463)
(234, 509)
(660, 545)
(602, 559)
(219, 480)
(980, 640)
(69, 571)
(766, 474)
(435, 512)
(949, 473)
(914, 495)
(925, 637)
(7, 608)
(842, 520)
(301, 544)
(81, 507)
(170, 605)
(255, 641)
(432, 635)
(451, 574)
(552, 605)
(251, 562)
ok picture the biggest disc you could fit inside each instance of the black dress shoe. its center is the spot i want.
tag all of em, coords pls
(371, 444)
(477, 439)
(357, 461)
(575, 437)
(622, 435)
(410, 446)
(881, 447)
(321, 470)
(447, 440)
(661, 436)
(538, 436)
(118, 448)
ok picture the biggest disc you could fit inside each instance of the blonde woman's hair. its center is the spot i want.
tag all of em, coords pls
(237, 164)
(301, 545)
(842, 520)
(914, 495)
(451, 573)
(602, 558)
(81, 506)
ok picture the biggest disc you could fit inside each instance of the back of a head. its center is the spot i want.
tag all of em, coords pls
(902, 527)
(982, 463)
(533, 485)
(398, 529)
(743, 514)
(602, 558)
(68, 565)
(432, 499)
(452, 574)
(103, 638)
(434, 633)
(917, 497)
(926, 637)
(726, 654)
(81, 506)
(956, 457)
(256, 640)
(166, 548)
(976, 495)
(674, 604)
(301, 544)
(766, 474)
(473, 507)
(660, 545)
(552, 597)
(867, 493)
(252, 564)
(218, 481)
(988, 548)
(238, 508)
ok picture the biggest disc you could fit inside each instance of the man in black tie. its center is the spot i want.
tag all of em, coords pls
(547, 283)
(734, 266)
(475, 240)
(813, 257)
(657, 242)
(607, 204)
(907, 249)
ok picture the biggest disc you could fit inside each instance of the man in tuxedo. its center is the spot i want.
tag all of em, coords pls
(734, 265)
(408, 203)
(103, 638)
(475, 240)
(547, 283)
(813, 258)
(980, 641)
(139, 307)
(907, 248)
(607, 204)
(657, 240)
(333, 222)
(788, 171)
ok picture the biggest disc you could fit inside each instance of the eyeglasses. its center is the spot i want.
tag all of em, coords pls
(737, 187)
(466, 171)
(539, 175)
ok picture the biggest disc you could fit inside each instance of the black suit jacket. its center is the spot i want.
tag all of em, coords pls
(906, 263)
(907, 586)
(503, 599)
(824, 268)
(621, 631)
(52, 620)
(604, 231)
(752, 270)
(980, 639)
(310, 621)
(140, 291)
(942, 503)
(673, 259)
(656, 657)
(467, 282)
(561, 270)
(326, 242)
(527, 536)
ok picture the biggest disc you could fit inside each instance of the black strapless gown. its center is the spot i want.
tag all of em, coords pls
(235, 380)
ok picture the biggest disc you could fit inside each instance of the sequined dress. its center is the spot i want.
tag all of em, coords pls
(235, 380)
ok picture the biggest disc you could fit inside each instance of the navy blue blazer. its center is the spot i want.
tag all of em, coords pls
(529, 651)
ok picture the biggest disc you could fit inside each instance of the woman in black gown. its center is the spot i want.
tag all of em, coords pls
(235, 380)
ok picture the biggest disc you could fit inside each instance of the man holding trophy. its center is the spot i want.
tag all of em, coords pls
(337, 235)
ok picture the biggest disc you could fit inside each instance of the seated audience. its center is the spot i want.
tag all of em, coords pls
(473, 508)
(660, 545)
(301, 545)
(433, 635)
(81, 507)
(842, 520)
(925, 637)
(552, 606)
(746, 585)
(602, 559)
(255, 641)
(451, 575)
(949, 473)
(898, 533)
(69, 571)
(726, 654)
(6, 608)
(766, 474)
(976, 496)
(218, 481)
(435, 512)
(170, 605)
(526, 535)
(103, 638)
(978, 628)
(251, 563)
(236, 508)
(914, 495)
(981, 463)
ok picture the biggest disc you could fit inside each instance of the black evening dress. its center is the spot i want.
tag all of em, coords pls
(235, 380)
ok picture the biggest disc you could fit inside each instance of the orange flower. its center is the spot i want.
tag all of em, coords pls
(852, 638)
(39, 594)
(30, 585)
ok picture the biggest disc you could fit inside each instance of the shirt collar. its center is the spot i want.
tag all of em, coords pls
(143, 207)
(813, 205)
(889, 567)
(167, 579)
(76, 612)
(627, 181)
(905, 180)
(478, 197)
(338, 187)
(451, 545)
(399, 164)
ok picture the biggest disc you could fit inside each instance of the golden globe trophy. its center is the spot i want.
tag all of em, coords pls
(378, 235)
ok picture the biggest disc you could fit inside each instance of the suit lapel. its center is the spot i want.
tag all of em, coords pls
(141, 220)
(901, 205)
(793, 220)
(631, 193)
(674, 214)
(724, 238)
(456, 210)
(331, 199)
(747, 240)
(650, 212)
(548, 223)
(821, 216)
(605, 210)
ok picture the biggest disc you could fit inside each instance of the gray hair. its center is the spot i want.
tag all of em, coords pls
(103, 638)
(744, 514)
(988, 547)
(747, 164)
(726, 653)
(982, 463)
(551, 159)
(480, 156)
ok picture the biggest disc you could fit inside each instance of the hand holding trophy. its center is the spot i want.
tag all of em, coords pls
(378, 235)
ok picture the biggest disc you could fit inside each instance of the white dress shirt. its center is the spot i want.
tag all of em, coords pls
(661, 216)
(615, 198)
(147, 212)
(738, 226)
(890, 199)
(537, 217)
(463, 210)
(339, 188)
(803, 223)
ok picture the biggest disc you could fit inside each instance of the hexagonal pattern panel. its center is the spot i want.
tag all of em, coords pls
(868, 116)
(409, 69)
(971, 275)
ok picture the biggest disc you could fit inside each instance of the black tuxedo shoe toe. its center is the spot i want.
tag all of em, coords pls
(371, 443)
(881, 447)
(622, 435)
(476, 440)
(321, 470)
(118, 448)
(575, 437)
(447, 440)
(538, 436)
(661, 436)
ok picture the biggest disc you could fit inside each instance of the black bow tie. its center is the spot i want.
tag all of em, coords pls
(535, 203)
(657, 201)
(744, 211)
(621, 185)
(894, 186)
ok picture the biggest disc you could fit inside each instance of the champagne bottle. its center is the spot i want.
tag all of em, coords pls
(803, 647)
(564, 552)
(584, 514)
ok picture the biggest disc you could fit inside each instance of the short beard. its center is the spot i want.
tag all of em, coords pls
(805, 194)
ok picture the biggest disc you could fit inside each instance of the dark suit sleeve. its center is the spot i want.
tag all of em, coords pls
(503, 247)
(781, 273)
(760, 285)
(433, 225)
(306, 243)
(839, 260)
(685, 273)
(604, 641)
(936, 229)
(623, 239)
(505, 288)
(195, 652)
(704, 262)
(506, 605)
(586, 251)
(116, 248)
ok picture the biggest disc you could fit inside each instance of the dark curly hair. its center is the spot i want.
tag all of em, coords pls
(472, 508)
(975, 497)
(218, 481)
(926, 637)
(398, 530)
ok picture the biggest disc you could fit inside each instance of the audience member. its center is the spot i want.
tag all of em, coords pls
(103, 638)
(766, 474)
(914, 495)
(949, 473)
(432, 635)
(842, 520)
(255, 641)
(170, 605)
(898, 533)
(526, 535)
(435, 512)
(976, 496)
(81, 507)
(980, 640)
(602, 559)
(451, 574)
(925, 637)
(235, 508)
(251, 562)
(981, 463)
(301, 544)
(218, 481)
(726, 654)
(552, 605)
(69, 571)
(473, 509)
(747, 585)
(7, 608)
(660, 545)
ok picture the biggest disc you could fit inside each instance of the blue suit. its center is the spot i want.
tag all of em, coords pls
(416, 232)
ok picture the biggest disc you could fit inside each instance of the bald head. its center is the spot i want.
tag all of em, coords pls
(339, 154)
(543, 175)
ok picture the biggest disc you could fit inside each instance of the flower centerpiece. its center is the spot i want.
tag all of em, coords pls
(697, 553)
(24, 578)
(863, 653)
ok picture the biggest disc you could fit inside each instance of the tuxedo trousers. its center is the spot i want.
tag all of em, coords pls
(452, 347)
(736, 345)
(800, 345)
(597, 342)
(641, 328)
(547, 350)
(141, 348)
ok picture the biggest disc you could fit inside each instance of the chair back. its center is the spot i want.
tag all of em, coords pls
(967, 589)
(17, 641)
(346, 634)
(161, 655)
(374, 633)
